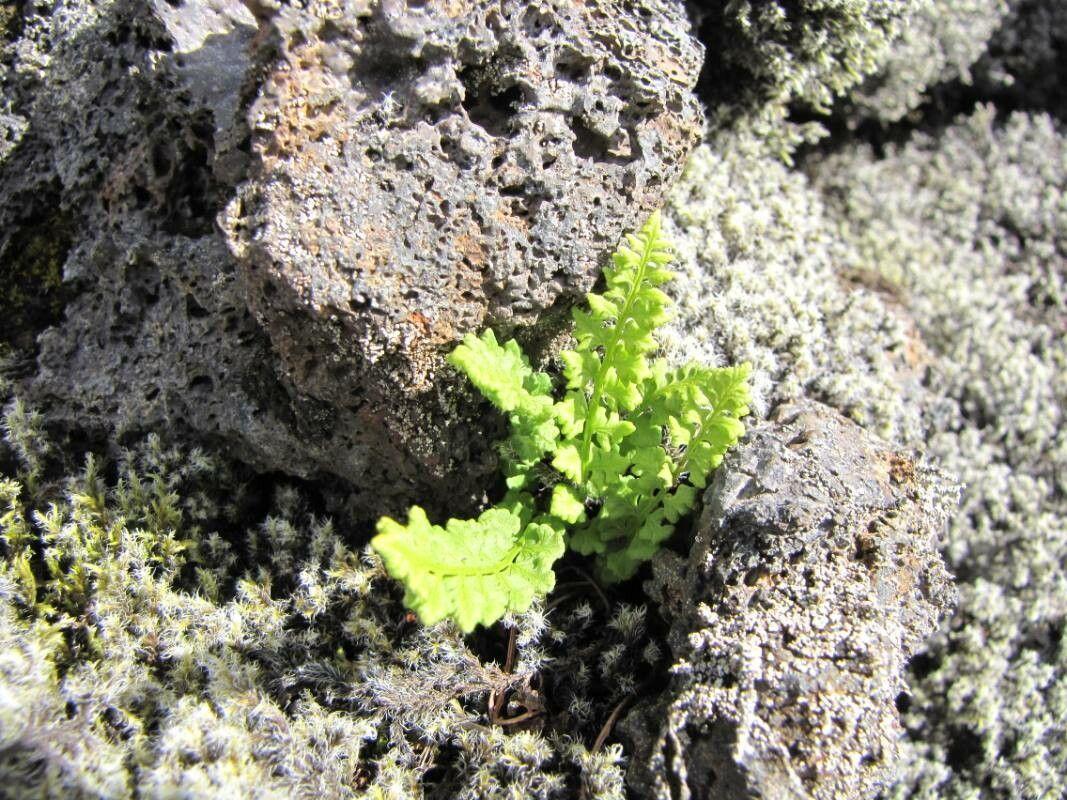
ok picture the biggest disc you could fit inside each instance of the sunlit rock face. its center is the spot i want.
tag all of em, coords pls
(424, 170)
(267, 223)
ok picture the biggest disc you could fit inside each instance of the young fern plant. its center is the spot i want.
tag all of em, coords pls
(608, 468)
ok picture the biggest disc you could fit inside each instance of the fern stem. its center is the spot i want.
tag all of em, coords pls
(492, 569)
(609, 353)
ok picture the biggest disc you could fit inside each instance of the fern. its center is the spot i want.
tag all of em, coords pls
(473, 571)
(611, 466)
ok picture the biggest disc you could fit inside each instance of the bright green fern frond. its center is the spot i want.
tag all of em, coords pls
(620, 323)
(502, 373)
(701, 408)
(472, 571)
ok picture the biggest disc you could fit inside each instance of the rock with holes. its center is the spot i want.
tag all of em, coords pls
(417, 171)
(124, 312)
(135, 321)
(427, 169)
(813, 578)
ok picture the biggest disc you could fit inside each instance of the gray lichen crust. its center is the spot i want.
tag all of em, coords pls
(813, 576)
(422, 171)
(167, 629)
(970, 229)
(767, 58)
(940, 44)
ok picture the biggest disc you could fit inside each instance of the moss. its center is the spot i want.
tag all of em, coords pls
(32, 294)
(10, 20)
(167, 629)
(922, 291)
(760, 283)
(766, 60)
(151, 646)
(939, 46)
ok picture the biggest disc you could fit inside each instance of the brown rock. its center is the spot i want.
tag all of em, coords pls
(814, 576)
(421, 172)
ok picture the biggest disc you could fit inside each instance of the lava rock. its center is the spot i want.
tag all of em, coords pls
(107, 206)
(133, 132)
(425, 170)
(128, 130)
(813, 577)
(133, 137)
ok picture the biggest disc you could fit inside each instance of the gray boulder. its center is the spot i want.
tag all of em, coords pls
(421, 172)
(814, 575)
(128, 148)
(125, 129)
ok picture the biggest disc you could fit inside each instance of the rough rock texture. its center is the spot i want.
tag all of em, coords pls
(765, 278)
(425, 172)
(123, 163)
(125, 134)
(921, 292)
(861, 282)
(813, 576)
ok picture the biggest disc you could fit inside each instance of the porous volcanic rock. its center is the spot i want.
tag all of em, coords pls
(813, 577)
(425, 170)
(126, 130)
(126, 153)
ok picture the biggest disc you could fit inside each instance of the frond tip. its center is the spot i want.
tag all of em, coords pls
(472, 571)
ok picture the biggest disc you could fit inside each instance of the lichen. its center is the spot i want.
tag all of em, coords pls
(940, 45)
(760, 284)
(767, 59)
(10, 18)
(176, 624)
(970, 228)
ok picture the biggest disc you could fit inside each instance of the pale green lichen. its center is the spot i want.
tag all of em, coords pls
(760, 284)
(924, 294)
(971, 229)
(921, 292)
(768, 58)
(940, 44)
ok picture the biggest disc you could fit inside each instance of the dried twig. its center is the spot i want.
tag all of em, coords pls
(605, 732)
(509, 660)
(523, 717)
(497, 699)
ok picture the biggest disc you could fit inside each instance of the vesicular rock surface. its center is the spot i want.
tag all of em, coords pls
(860, 281)
(125, 156)
(418, 173)
(813, 577)
(422, 171)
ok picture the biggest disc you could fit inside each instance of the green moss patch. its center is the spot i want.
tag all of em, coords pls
(32, 293)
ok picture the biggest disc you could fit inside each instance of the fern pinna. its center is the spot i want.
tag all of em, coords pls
(609, 468)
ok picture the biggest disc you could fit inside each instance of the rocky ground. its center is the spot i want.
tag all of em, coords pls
(237, 239)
